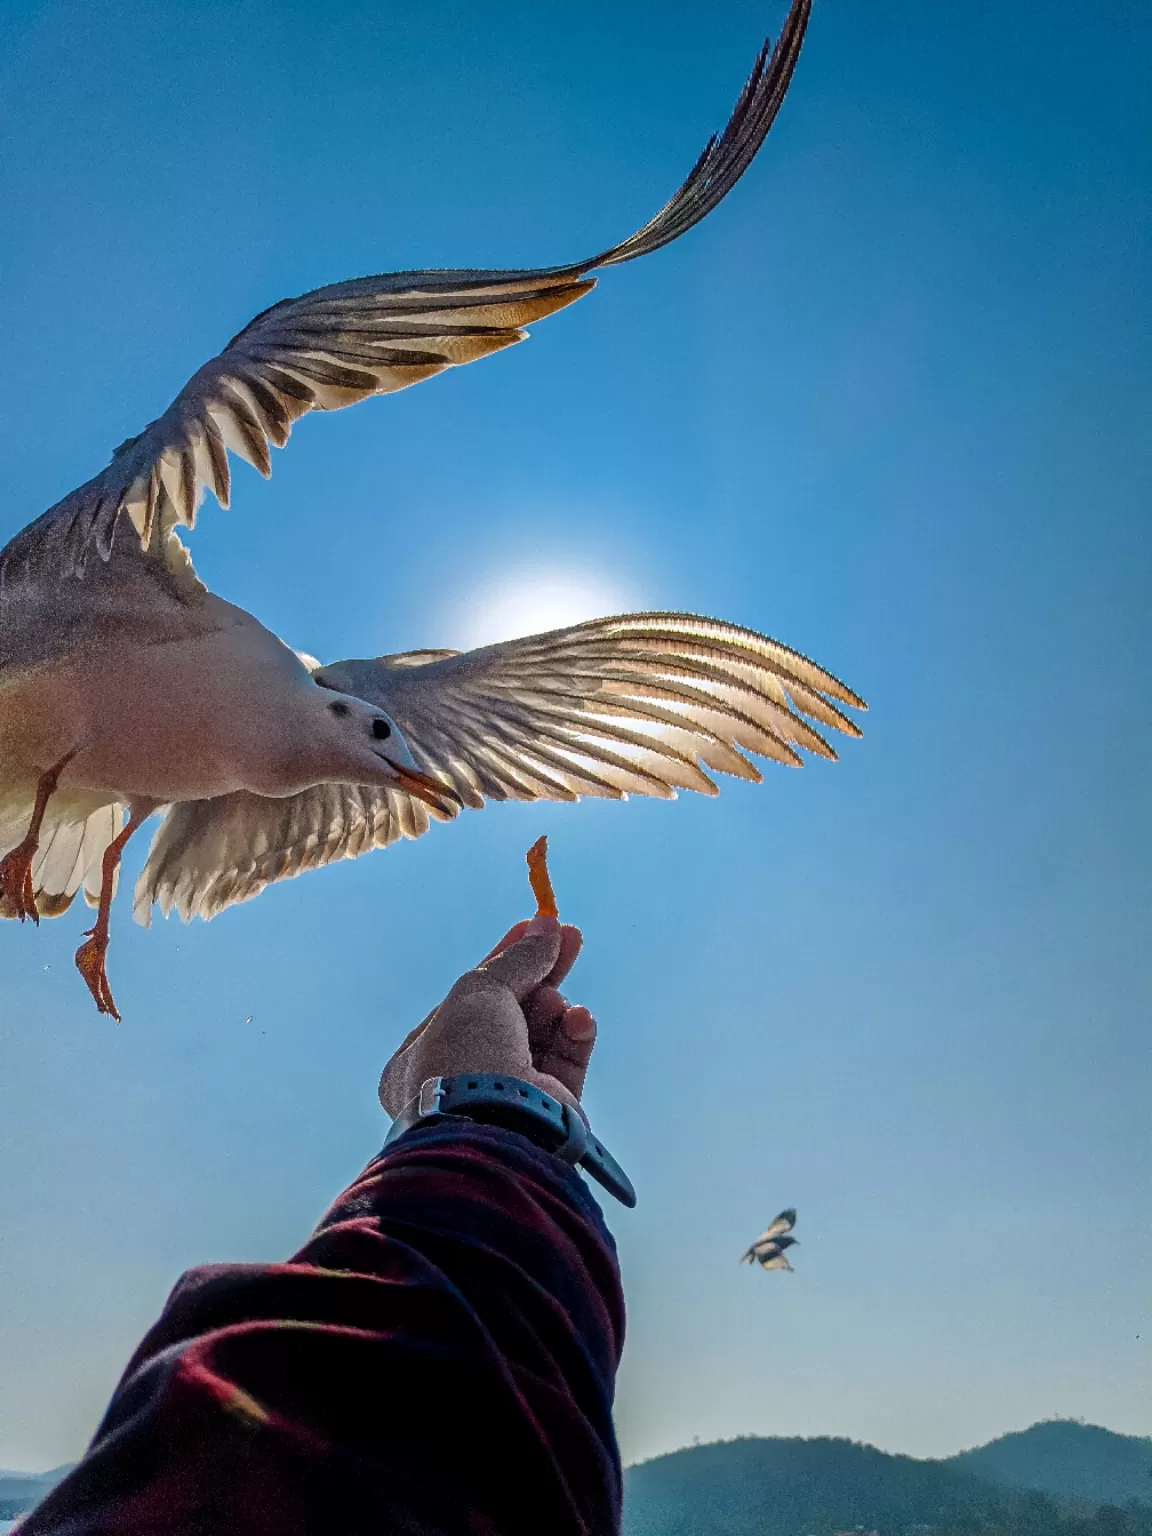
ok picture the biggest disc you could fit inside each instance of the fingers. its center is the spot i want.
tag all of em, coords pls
(513, 936)
(571, 943)
(570, 1050)
(479, 1027)
(580, 1029)
(543, 1009)
(523, 966)
(560, 1036)
(505, 1016)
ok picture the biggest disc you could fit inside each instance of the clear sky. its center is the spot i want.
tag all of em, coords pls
(883, 405)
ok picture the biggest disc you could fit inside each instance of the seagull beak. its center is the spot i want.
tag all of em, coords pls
(395, 751)
(433, 792)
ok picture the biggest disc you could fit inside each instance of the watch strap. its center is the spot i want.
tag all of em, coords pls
(493, 1098)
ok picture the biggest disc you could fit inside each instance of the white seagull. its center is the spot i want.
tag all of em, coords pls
(769, 1248)
(127, 688)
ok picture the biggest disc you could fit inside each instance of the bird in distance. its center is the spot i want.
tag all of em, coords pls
(769, 1248)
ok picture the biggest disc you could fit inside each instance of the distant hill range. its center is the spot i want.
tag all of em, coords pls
(1067, 1459)
(19, 1491)
(1060, 1478)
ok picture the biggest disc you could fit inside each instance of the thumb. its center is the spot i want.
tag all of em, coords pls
(524, 965)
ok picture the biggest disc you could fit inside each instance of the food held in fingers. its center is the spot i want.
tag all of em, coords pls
(539, 881)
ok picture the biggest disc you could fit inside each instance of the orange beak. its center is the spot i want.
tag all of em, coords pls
(441, 797)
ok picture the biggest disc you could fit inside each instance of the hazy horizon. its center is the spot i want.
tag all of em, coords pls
(888, 405)
(697, 1443)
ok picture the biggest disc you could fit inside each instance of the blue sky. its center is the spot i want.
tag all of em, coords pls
(884, 405)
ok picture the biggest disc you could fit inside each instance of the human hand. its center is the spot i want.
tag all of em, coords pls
(505, 1016)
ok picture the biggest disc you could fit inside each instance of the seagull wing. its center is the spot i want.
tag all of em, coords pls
(776, 1261)
(782, 1223)
(770, 1236)
(761, 1250)
(638, 704)
(211, 854)
(345, 342)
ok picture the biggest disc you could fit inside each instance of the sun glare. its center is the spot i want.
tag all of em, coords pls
(509, 604)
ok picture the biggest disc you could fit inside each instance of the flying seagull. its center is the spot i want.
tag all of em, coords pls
(127, 688)
(769, 1248)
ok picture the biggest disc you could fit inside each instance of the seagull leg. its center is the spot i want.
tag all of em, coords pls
(16, 867)
(90, 956)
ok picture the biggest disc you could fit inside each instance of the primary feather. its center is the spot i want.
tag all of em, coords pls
(641, 704)
(371, 336)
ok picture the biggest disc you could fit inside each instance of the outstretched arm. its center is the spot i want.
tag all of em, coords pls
(440, 1355)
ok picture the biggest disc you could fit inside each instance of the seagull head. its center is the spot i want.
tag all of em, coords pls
(359, 743)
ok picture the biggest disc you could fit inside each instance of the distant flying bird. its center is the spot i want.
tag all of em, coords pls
(127, 688)
(769, 1248)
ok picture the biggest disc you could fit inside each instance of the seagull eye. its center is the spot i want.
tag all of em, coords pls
(340, 709)
(381, 730)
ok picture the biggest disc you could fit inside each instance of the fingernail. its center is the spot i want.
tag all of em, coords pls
(541, 923)
(579, 1024)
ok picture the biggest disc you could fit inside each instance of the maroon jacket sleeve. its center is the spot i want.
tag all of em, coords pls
(440, 1357)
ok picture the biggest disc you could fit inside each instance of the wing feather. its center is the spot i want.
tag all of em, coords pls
(210, 854)
(345, 342)
(637, 704)
(779, 1225)
(77, 828)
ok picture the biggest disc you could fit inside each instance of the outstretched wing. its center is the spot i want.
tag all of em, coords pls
(782, 1223)
(375, 335)
(210, 854)
(776, 1261)
(639, 704)
(772, 1240)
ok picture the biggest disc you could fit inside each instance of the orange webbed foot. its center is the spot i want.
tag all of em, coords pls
(17, 898)
(90, 964)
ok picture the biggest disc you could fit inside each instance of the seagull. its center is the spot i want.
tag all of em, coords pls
(769, 1248)
(128, 689)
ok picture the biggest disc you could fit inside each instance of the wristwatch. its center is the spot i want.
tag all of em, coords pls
(493, 1099)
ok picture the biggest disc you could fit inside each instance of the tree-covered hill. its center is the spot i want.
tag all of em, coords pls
(762, 1487)
(1066, 1458)
(1060, 1478)
(19, 1491)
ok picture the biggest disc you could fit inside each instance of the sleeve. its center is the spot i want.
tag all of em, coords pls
(439, 1357)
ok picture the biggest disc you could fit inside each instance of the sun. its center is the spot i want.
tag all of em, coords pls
(529, 600)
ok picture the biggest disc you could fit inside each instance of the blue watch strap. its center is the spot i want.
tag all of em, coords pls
(495, 1099)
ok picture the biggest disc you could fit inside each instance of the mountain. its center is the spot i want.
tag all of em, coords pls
(1059, 1478)
(20, 1490)
(773, 1487)
(1069, 1459)
(759, 1487)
